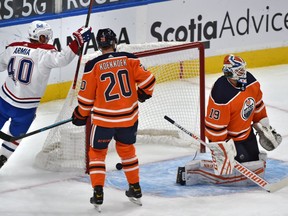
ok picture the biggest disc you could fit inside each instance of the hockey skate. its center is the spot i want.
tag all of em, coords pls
(3, 160)
(181, 176)
(97, 198)
(134, 194)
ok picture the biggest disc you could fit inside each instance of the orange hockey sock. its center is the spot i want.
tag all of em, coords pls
(97, 168)
(129, 161)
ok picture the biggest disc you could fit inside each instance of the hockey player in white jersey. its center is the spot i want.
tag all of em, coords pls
(29, 65)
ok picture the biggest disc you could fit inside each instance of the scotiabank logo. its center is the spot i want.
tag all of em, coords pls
(198, 30)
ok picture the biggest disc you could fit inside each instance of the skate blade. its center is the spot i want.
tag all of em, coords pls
(97, 207)
(135, 201)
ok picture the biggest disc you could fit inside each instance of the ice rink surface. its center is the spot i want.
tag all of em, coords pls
(26, 190)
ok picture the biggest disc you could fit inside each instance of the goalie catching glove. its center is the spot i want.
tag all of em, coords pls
(269, 139)
(78, 119)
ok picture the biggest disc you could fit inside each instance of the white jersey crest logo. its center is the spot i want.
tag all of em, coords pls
(248, 108)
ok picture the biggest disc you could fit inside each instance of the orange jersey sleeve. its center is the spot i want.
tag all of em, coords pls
(109, 89)
(230, 111)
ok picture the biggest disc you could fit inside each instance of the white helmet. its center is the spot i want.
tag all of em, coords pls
(234, 67)
(38, 28)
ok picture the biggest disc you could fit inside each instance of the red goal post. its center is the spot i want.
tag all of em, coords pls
(179, 93)
(201, 49)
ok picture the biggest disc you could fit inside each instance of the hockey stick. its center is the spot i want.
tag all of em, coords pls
(81, 49)
(239, 167)
(80, 53)
(9, 138)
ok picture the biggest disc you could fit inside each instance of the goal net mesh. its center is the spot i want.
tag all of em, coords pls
(178, 94)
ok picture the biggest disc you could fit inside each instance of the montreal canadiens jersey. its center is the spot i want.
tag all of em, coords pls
(109, 89)
(29, 66)
(230, 111)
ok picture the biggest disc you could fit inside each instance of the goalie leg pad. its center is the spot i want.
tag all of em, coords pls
(202, 172)
(223, 156)
(263, 156)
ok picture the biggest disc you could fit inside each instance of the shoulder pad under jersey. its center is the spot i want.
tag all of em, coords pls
(90, 64)
(250, 78)
(223, 91)
(33, 45)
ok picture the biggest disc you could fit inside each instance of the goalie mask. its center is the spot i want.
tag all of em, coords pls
(38, 28)
(234, 67)
(106, 38)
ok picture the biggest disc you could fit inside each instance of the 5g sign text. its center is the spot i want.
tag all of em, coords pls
(23, 8)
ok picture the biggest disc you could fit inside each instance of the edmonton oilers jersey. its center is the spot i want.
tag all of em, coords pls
(109, 89)
(231, 111)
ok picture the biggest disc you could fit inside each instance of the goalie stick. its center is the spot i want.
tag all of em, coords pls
(239, 167)
(9, 138)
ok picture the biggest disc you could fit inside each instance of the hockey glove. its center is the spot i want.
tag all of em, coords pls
(78, 119)
(269, 139)
(142, 96)
(82, 35)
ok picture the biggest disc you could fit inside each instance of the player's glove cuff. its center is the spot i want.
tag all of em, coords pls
(142, 96)
(78, 119)
(82, 35)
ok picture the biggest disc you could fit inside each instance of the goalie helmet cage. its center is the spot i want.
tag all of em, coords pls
(179, 92)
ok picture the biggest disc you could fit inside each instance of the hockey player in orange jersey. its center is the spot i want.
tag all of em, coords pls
(235, 106)
(112, 85)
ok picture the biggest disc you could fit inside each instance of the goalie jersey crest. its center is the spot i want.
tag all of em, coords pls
(248, 108)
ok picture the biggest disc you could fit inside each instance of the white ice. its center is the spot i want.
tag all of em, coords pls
(26, 190)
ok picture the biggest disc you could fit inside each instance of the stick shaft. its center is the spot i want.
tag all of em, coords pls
(81, 49)
(9, 138)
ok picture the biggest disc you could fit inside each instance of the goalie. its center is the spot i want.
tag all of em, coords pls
(234, 108)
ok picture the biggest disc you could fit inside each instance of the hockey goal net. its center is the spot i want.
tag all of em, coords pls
(179, 94)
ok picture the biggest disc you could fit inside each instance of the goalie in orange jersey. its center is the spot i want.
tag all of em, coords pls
(235, 106)
(112, 85)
